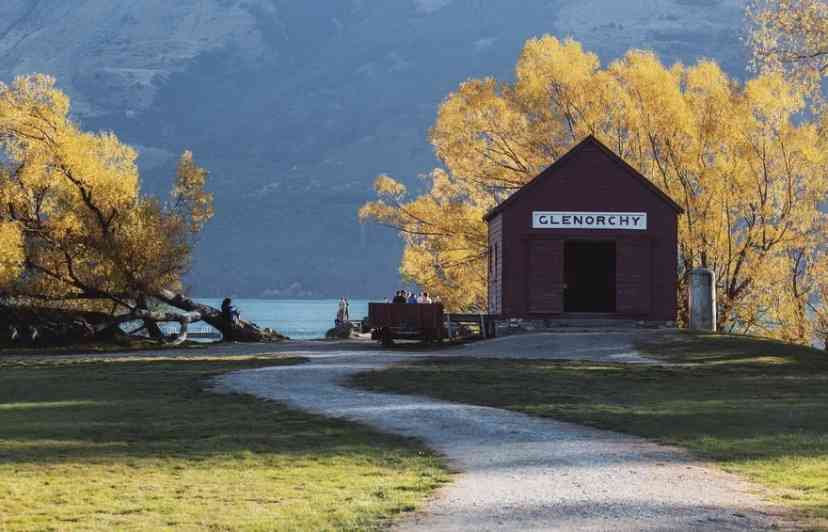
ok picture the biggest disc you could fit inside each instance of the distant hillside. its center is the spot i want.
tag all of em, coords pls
(296, 106)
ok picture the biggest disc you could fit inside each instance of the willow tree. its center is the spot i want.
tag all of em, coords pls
(748, 175)
(78, 240)
(790, 36)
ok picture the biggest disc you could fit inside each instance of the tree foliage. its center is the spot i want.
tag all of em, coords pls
(791, 36)
(748, 171)
(75, 230)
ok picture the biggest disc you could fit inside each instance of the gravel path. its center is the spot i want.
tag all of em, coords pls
(518, 472)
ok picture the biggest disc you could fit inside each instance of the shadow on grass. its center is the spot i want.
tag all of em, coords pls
(112, 410)
(125, 346)
(143, 445)
(707, 348)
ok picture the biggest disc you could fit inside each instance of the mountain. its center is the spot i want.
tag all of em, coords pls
(295, 107)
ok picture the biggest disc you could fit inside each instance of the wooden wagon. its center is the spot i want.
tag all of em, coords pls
(403, 321)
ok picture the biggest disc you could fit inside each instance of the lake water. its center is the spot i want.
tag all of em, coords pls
(300, 319)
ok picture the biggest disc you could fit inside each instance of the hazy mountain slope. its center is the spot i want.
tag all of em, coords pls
(113, 55)
(296, 106)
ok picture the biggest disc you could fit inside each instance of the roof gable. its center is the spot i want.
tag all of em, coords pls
(588, 141)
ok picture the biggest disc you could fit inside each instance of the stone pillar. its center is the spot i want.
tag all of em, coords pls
(702, 300)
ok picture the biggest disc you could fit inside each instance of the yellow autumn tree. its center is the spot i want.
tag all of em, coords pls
(78, 239)
(790, 36)
(74, 202)
(11, 252)
(818, 298)
(445, 241)
(748, 175)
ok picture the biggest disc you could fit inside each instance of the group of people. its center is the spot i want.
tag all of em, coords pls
(401, 296)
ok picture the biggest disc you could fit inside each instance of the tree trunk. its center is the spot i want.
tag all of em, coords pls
(239, 331)
(54, 327)
(36, 326)
(152, 328)
(183, 319)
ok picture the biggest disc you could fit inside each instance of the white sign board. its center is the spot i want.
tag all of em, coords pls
(633, 221)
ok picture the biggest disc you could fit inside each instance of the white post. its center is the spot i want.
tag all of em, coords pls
(448, 325)
(702, 300)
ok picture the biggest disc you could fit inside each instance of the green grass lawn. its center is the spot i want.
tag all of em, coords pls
(756, 407)
(126, 444)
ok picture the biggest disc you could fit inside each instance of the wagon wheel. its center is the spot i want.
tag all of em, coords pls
(386, 337)
(428, 337)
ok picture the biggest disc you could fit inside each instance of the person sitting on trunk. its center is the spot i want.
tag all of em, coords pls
(228, 311)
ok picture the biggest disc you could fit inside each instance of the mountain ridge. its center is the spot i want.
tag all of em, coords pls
(295, 107)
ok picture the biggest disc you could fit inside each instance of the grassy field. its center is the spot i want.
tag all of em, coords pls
(126, 444)
(756, 407)
(120, 347)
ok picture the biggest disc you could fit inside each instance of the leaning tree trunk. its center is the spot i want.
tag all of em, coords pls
(240, 330)
(35, 326)
(155, 317)
(39, 326)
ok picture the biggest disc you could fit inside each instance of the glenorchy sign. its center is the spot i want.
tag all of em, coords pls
(636, 221)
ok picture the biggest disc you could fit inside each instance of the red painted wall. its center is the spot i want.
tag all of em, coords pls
(495, 273)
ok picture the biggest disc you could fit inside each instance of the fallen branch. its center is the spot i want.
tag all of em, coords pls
(183, 320)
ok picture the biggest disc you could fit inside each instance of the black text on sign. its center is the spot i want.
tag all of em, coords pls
(635, 221)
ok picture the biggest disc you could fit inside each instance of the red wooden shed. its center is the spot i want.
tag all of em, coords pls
(588, 237)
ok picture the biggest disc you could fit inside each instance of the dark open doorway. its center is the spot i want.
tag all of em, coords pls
(589, 274)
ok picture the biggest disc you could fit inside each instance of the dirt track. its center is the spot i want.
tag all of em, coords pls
(518, 472)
